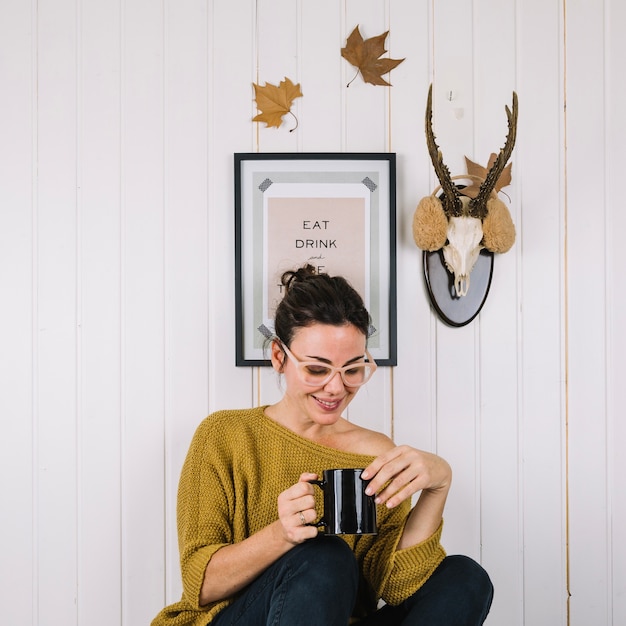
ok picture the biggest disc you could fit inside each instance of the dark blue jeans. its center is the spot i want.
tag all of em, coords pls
(315, 584)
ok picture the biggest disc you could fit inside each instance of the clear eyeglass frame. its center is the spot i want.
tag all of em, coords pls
(316, 378)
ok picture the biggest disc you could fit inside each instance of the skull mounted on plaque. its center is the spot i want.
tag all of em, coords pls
(460, 229)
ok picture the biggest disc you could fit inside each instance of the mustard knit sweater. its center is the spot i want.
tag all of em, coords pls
(237, 464)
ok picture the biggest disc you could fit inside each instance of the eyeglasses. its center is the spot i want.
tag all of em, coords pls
(318, 374)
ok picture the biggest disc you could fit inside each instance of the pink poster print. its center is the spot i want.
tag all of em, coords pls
(329, 233)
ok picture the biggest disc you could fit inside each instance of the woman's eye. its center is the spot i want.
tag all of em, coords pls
(317, 370)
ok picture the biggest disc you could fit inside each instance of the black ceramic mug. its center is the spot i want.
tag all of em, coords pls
(348, 510)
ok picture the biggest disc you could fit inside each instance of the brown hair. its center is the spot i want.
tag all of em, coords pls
(311, 298)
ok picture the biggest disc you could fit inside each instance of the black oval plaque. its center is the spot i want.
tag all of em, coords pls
(452, 309)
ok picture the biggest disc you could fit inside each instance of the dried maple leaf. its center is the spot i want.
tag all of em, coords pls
(364, 55)
(474, 169)
(275, 102)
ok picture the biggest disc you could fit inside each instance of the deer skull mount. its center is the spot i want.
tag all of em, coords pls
(461, 252)
(466, 219)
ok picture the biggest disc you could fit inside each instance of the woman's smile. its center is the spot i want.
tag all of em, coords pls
(328, 404)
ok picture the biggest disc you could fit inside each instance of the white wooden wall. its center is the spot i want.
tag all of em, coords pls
(118, 122)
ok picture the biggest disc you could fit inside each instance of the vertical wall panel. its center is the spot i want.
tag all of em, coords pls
(276, 58)
(414, 413)
(143, 339)
(586, 94)
(231, 107)
(17, 194)
(456, 347)
(366, 112)
(186, 255)
(99, 306)
(498, 421)
(540, 241)
(615, 20)
(320, 72)
(56, 344)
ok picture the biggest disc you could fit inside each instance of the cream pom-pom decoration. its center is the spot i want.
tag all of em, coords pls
(430, 224)
(498, 227)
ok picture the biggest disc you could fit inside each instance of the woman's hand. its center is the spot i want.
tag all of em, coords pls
(296, 509)
(235, 566)
(407, 471)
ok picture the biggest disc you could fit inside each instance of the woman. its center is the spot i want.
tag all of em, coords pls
(249, 554)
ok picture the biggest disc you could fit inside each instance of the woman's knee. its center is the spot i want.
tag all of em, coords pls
(471, 574)
(470, 578)
(317, 585)
(331, 557)
(458, 592)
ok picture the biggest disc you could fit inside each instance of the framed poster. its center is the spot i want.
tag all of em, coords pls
(336, 211)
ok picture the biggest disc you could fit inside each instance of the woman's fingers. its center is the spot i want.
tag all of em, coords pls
(401, 472)
(296, 509)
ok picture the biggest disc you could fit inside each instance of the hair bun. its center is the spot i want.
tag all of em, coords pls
(296, 276)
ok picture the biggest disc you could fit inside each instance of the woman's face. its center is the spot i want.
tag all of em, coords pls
(330, 345)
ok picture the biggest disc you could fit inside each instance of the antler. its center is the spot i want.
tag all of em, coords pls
(451, 202)
(478, 205)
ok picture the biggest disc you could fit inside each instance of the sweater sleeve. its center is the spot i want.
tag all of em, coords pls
(395, 574)
(205, 497)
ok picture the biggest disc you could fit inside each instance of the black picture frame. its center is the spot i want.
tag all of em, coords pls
(335, 210)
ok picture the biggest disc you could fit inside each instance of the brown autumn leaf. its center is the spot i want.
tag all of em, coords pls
(474, 169)
(364, 55)
(275, 102)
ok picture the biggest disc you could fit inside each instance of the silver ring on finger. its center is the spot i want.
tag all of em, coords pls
(302, 518)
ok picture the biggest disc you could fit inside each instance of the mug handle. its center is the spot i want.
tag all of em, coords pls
(321, 484)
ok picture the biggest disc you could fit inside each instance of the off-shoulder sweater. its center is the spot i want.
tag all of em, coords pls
(238, 462)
